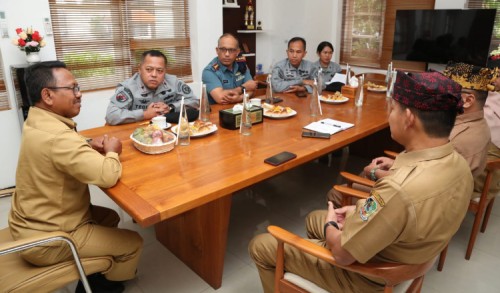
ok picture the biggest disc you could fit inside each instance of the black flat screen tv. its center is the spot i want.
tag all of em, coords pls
(439, 36)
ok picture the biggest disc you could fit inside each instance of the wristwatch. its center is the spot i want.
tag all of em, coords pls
(242, 89)
(331, 223)
(171, 108)
(372, 174)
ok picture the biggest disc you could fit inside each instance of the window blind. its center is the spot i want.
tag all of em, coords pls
(4, 98)
(362, 32)
(368, 31)
(101, 40)
(489, 4)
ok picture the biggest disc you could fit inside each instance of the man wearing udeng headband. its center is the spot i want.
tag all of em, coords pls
(425, 179)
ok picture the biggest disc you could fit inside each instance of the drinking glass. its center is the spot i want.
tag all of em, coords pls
(246, 119)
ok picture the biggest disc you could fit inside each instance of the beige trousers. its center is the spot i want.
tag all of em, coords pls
(100, 238)
(263, 247)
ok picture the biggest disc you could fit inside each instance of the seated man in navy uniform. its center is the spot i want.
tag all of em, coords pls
(410, 215)
(149, 92)
(227, 75)
(293, 74)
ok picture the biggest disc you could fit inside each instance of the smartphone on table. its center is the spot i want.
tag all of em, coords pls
(280, 158)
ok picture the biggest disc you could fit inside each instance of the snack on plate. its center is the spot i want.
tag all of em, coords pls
(151, 135)
(374, 86)
(276, 110)
(335, 97)
(199, 126)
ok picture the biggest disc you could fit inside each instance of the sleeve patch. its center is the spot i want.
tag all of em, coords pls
(369, 207)
(121, 97)
(186, 89)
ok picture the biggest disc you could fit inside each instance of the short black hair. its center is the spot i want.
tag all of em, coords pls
(322, 45)
(437, 124)
(480, 96)
(225, 35)
(39, 76)
(297, 39)
(153, 53)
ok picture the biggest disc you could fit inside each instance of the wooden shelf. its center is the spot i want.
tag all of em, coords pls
(249, 31)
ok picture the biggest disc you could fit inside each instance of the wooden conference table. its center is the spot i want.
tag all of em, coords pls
(186, 193)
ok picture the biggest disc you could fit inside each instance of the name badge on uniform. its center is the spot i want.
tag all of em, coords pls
(225, 81)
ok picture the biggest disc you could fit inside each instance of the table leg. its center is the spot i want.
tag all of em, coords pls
(199, 237)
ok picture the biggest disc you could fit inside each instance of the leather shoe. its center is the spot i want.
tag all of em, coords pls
(99, 284)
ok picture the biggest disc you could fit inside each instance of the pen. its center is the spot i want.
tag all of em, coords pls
(335, 125)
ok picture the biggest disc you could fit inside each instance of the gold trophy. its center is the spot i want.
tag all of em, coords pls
(249, 16)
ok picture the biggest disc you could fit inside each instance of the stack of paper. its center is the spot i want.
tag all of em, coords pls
(328, 125)
(338, 77)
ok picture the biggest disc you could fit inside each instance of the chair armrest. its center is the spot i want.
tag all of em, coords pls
(25, 243)
(348, 191)
(392, 273)
(390, 154)
(351, 178)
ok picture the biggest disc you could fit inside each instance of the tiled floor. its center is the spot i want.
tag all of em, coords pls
(285, 201)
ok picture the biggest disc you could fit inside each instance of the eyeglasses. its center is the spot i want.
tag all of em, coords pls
(75, 89)
(227, 50)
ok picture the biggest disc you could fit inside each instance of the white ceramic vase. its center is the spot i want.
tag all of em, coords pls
(32, 57)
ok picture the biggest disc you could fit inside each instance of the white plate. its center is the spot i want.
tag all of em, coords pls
(168, 126)
(212, 129)
(377, 90)
(279, 116)
(329, 101)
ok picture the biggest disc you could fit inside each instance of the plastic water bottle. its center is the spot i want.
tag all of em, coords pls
(204, 105)
(313, 103)
(320, 81)
(359, 93)
(246, 119)
(184, 136)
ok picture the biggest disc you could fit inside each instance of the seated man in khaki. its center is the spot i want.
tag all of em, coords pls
(492, 116)
(470, 135)
(55, 166)
(407, 218)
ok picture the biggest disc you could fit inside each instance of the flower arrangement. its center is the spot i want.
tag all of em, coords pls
(495, 54)
(29, 40)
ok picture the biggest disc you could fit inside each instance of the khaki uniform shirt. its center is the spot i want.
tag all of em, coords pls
(55, 166)
(412, 213)
(470, 136)
(492, 116)
(132, 97)
(285, 75)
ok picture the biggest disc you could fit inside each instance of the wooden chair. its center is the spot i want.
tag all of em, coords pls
(408, 277)
(261, 84)
(377, 78)
(479, 207)
(17, 275)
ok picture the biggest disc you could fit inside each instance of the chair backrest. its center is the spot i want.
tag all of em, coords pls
(392, 273)
(377, 78)
(17, 275)
(261, 84)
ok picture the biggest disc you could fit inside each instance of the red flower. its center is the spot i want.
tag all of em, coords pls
(36, 36)
(19, 30)
(22, 42)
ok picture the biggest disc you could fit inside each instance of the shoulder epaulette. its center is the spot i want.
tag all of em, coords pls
(241, 59)
(215, 66)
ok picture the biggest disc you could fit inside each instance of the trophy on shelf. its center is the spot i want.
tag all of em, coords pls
(249, 16)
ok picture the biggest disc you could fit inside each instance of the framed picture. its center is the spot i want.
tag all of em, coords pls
(230, 4)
